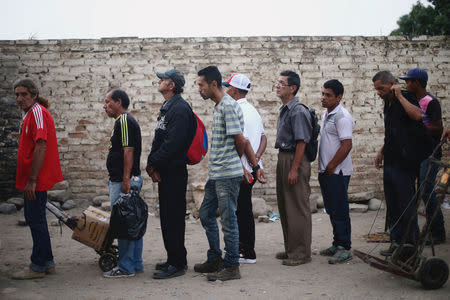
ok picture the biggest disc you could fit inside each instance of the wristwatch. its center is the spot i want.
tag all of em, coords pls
(256, 168)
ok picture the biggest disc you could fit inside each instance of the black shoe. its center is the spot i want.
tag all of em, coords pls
(170, 272)
(227, 273)
(390, 250)
(162, 266)
(209, 266)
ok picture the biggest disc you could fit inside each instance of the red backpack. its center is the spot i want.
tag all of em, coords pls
(199, 146)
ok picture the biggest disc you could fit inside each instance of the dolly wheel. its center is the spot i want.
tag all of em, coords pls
(107, 262)
(433, 273)
(114, 250)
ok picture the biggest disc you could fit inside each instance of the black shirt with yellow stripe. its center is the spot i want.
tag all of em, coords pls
(126, 134)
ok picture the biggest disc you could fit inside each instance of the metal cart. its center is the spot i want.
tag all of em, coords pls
(108, 252)
(408, 260)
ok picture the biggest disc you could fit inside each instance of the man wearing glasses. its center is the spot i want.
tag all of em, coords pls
(293, 172)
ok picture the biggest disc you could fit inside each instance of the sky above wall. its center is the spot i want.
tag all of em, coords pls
(61, 19)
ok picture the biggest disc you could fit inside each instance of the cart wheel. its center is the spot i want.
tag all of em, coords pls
(107, 262)
(433, 273)
(114, 250)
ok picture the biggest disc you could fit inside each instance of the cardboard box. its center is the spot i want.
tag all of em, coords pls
(92, 228)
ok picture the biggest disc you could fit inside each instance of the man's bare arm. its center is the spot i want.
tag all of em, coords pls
(299, 152)
(262, 147)
(240, 142)
(40, 148)
(128, 155)
(413, 111)
(341, 154)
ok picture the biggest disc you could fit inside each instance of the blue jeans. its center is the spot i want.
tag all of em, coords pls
(437, 227)
(335, 198)
(34, 212)
(222, 194)
(399, 190)
(130, 251)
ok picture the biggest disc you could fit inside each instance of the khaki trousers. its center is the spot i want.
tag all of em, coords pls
(294, 208)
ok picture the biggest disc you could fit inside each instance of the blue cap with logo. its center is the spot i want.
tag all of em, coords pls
(416, 73)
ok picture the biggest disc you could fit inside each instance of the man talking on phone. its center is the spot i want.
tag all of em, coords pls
(400, 168)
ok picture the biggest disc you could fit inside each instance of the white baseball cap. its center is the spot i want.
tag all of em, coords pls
(239, 81)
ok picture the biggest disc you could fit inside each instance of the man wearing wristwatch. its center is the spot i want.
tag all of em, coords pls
(238, 87)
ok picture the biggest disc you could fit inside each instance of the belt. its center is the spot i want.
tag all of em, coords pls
(286, 150)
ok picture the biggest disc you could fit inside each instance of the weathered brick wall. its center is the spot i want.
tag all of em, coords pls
(76, 74)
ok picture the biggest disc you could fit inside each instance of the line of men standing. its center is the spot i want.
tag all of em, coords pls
(237, 144)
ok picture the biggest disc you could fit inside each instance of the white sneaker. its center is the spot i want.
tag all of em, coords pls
(243, 260)
(446, 204)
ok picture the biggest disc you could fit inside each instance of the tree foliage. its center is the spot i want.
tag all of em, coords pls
(425, 20)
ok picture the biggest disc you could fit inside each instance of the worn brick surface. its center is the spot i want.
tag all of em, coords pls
(76, 74)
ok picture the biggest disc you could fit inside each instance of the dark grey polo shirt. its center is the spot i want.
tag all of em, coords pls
(294, 124)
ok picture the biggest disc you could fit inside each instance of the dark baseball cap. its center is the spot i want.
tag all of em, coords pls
(416, 73)
(174, 75)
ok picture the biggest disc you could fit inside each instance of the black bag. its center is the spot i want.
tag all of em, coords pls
(313, 145)
(129, 217)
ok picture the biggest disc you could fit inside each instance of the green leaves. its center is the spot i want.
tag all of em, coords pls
(425, 20)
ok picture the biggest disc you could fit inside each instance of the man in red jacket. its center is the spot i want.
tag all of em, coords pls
(38, 169)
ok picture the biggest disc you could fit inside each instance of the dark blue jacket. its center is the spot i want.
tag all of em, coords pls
(173, 134)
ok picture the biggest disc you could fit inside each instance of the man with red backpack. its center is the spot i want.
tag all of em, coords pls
(166, 165)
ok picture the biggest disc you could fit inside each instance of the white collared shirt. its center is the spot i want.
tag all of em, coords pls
(336, 127)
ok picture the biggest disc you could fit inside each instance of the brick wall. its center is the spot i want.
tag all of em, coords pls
(75, 75)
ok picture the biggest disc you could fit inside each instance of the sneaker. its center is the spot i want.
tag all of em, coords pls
(446, 204)
(390, 250)
(117, 273)
(227, 273)
(295, 261)
(209, 266)
(243, 260)
(27, 273)
(341, 255)
(50, 271)
(329, 251)
(246, 260)
(281, 255)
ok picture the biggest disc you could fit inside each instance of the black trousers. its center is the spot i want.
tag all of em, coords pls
(246, 221)
(172, 208)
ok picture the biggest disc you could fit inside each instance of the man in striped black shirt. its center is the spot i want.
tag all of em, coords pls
(124, 172)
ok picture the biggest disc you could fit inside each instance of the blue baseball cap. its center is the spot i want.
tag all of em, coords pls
(416, 73)
(174, 75)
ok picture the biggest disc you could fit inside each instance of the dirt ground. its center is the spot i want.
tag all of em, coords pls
(79, 277)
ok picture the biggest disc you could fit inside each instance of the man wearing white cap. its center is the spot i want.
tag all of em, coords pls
(238, 87)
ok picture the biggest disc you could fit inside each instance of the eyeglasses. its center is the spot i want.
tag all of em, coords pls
(282, 84)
